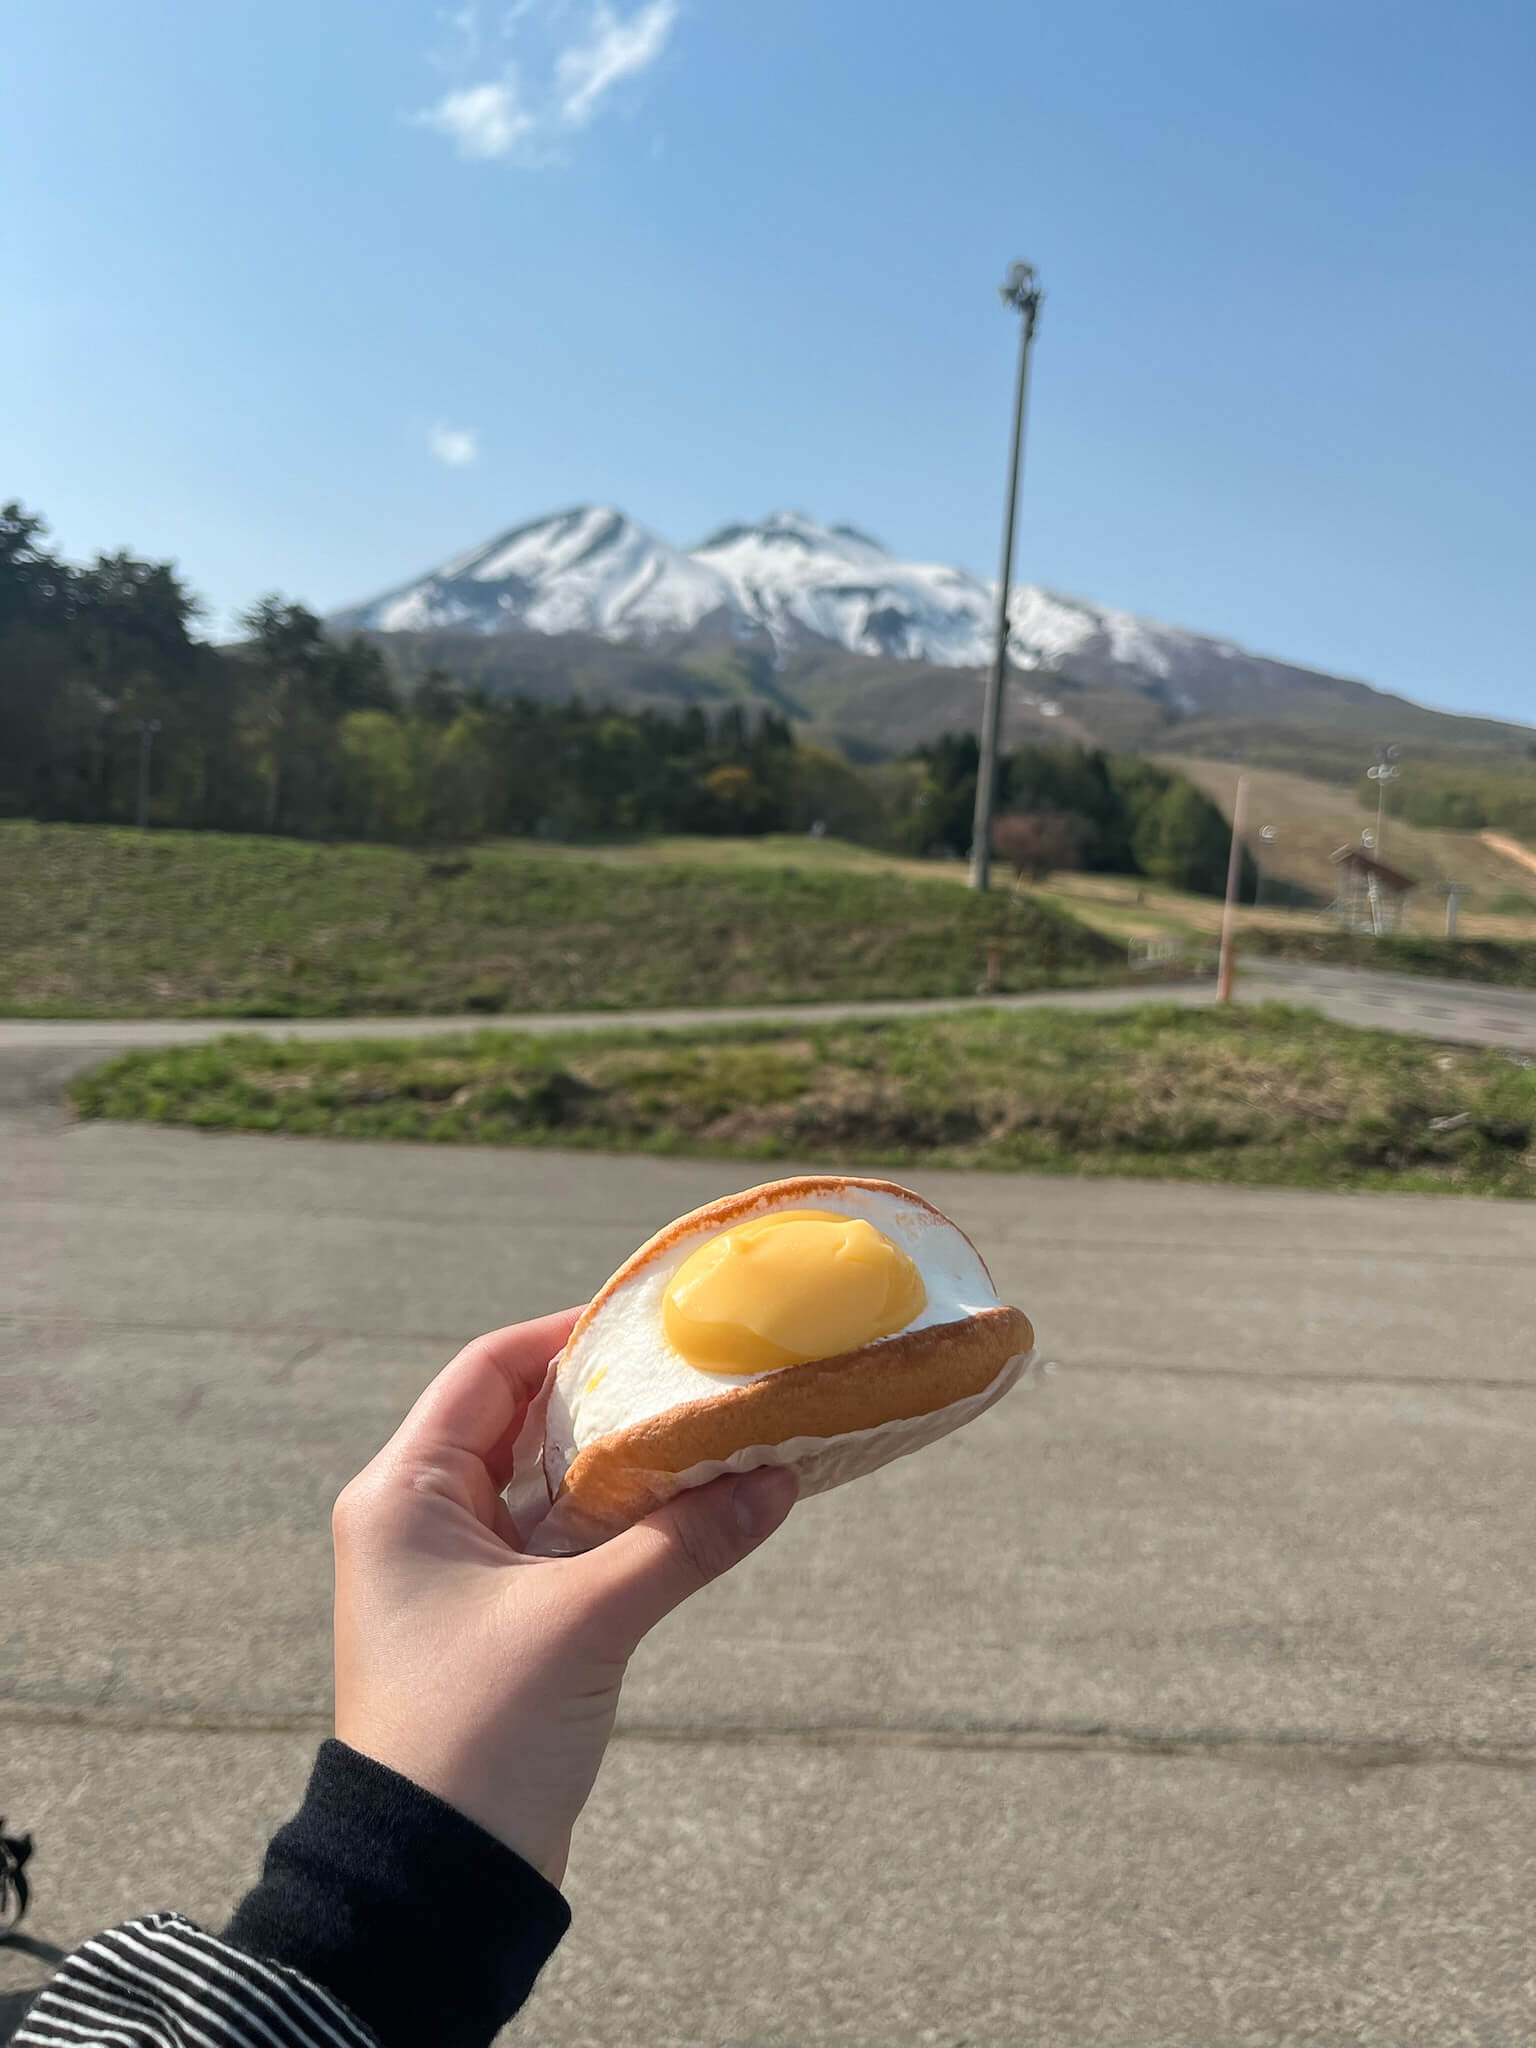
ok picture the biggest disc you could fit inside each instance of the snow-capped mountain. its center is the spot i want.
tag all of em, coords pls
(810, 595)
(787, 582)
(797, 589)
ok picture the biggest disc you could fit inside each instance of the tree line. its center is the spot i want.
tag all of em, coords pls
(295, 732)
(1106, 813)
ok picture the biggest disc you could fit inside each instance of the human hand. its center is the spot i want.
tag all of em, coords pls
(486, 1676)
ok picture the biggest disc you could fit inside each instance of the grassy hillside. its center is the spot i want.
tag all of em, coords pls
(1324, 753)
(1125, 908)
(1312, 818)
(1270, 1095)
(96, 921)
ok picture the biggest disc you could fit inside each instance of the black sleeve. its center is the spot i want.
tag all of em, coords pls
(417, 1920)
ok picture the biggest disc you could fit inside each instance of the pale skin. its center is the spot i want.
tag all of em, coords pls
(489, 1677)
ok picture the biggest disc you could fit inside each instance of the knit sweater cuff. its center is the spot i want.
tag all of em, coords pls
(419, 1921)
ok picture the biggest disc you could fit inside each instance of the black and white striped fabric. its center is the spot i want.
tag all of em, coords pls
(382, 1918)
(162, 1982)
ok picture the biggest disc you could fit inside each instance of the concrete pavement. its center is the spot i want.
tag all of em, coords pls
(1190, 1696)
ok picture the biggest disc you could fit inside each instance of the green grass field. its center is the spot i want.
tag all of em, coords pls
(98, 922)
(1269, 1095)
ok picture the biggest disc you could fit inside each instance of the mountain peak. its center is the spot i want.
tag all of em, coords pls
(790, 529)
(846, 532)
(787, 583)
(783, 582)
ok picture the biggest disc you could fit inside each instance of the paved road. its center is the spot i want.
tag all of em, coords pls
(1459, 1012)
(1188, 1697)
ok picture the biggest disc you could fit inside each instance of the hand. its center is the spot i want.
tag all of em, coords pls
(489, 1677)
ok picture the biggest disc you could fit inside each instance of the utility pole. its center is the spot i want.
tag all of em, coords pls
(1020, 290)
(146, 729)
(1234, 878)
(1384, 772)
(1267, 838)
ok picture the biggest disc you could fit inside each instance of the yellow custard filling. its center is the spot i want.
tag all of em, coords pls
(786, 1288)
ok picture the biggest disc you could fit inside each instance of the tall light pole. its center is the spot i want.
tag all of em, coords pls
(1020, 290)
(146, 728)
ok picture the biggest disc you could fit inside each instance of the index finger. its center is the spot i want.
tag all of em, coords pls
(477, 1402)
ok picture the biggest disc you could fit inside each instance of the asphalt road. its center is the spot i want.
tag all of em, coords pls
(1190, 1696)
(1459, 1012)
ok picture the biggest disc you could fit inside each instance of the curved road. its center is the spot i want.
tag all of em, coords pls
(1457, 1012)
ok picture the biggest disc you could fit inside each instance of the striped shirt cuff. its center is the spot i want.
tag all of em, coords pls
(161, 1982)
(430, 1930)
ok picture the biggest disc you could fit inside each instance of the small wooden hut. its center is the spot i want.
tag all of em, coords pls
(1371, 896)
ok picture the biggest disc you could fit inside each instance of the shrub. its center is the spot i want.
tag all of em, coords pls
(1037, 843)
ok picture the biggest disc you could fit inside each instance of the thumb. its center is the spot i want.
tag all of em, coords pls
(653, 1567)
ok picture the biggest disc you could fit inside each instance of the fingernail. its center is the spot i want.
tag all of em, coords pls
(763, 1498)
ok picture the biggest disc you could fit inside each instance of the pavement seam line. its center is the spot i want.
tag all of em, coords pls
(1212, 1746)
(1436, 1383)
(1518, 1259)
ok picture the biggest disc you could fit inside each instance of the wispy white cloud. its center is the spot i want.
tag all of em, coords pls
(563, 60)
(483, 120)
(586, 72)
(456, 446)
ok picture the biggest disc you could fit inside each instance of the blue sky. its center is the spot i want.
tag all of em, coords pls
(310, 296)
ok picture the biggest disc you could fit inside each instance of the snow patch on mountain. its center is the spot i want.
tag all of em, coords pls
(795, 580)
(590, 570)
